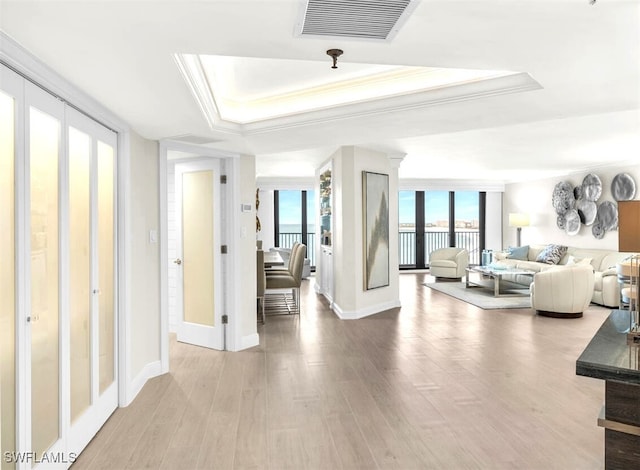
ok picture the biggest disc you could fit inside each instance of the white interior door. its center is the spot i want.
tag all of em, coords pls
(91, 170)
(58, 364)
(198, 218)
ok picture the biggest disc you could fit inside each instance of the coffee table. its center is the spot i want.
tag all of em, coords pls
(497, 276)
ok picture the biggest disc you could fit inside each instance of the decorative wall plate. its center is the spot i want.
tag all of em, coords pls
(623, 187)
(607, 215)
(572, 219)
(597, 230)
(563, 198)
(591, 187)
(587, 211)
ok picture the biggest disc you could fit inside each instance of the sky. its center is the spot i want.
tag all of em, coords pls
(437, 206)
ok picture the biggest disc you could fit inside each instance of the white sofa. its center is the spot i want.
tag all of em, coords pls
(606, 289)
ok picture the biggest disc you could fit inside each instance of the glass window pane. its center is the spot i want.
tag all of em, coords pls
(106, 259)
(436, 221)
(44, 139)
(407, 227)
(7, 275)
(80, 270)
(467, 228)
(290, 218)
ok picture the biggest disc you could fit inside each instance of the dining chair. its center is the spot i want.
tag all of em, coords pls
(290, 280)
(284, 269)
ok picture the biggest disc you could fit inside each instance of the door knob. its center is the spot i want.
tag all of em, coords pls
(178, 261)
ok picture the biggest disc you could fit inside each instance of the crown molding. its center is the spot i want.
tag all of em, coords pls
(193, 72)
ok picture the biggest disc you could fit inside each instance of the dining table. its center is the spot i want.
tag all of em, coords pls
(272, 258)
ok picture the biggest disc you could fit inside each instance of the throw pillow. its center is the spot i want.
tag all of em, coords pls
(552, 254)
(519, 252)
(573, 260)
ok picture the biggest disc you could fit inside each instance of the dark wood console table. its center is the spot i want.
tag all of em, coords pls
(608, 357)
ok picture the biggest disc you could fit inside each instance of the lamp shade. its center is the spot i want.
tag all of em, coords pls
(518, 220)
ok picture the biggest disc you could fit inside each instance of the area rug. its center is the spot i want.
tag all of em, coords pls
(480, 296)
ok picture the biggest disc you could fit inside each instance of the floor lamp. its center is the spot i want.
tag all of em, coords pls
(518, 220)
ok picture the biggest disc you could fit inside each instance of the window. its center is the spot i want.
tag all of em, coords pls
(429, 220)
(294, 215)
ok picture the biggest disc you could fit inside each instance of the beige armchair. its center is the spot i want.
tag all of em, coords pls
(448, 263)
(563, 291)
(290, 280)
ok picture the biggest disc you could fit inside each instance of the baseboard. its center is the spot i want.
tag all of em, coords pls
(249, 341)
(151, 370)
(365, 312)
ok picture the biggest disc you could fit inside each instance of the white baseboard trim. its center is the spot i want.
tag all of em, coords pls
(365, 312)
(151, 370)
(249, 341)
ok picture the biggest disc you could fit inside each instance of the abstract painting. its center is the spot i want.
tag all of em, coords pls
(375, 189)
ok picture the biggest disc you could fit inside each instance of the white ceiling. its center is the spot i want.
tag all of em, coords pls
(585, 57)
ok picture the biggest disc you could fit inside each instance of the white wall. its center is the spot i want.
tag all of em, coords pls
(144, 316)
(493, 221)
(534, 198)
(245, 275)
(351, 300)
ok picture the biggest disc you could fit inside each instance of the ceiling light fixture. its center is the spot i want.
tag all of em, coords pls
(334, 53)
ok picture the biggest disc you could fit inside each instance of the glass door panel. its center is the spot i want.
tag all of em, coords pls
(44, 145)
(289, 217)
(7, 277)
(106, 256)
(467, 225)
(198, 243)
(436, 221)
(407, 228)
(80, 270)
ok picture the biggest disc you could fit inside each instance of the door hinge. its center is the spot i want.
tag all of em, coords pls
(223, 179)
(224, 249)
(225, 319)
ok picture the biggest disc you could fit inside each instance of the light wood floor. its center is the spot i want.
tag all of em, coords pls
(437, 384)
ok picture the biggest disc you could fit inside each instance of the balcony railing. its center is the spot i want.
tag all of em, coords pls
(434, 240)
(406, 245)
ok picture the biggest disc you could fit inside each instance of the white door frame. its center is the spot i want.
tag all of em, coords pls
(230, 226)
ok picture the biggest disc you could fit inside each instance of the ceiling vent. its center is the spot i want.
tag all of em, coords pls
(363, 19)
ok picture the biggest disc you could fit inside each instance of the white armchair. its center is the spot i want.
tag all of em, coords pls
(448, 263)
(563, 291)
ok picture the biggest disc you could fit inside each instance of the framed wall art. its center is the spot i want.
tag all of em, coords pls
(375, 192)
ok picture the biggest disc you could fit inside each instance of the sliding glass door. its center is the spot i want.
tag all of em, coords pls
(429, 220)
(294, 215)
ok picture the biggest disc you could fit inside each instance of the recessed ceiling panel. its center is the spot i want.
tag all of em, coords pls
(365, 19)
(244, 90)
